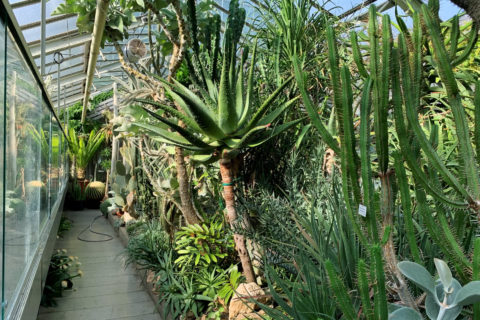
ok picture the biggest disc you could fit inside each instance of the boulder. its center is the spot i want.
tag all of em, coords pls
(241, 307)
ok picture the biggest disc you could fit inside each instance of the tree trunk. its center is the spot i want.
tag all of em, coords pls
(80, 173)
(188, 209)
(391, 268)
(472, 7)
(229, 197)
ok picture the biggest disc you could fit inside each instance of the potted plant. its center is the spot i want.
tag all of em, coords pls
(94, 193)
(77, 197)
(82, 149)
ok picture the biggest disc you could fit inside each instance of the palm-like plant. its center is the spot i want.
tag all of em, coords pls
(82, 150)
(219, 118)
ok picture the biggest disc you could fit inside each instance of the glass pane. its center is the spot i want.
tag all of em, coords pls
(54, 171)
(25, 188)
(2, 152)
(45, 160)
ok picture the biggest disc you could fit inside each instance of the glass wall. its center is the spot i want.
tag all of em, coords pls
(32, 169)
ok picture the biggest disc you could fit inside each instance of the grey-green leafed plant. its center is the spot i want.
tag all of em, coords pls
(445, 297)
(219, 118)
(124, 186)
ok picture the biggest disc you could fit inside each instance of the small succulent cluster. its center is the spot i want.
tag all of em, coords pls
(62, 270)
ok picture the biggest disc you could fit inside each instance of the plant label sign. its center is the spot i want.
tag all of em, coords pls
(362, 210)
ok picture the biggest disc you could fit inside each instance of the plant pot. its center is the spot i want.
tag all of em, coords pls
(83, 184)
(76, 205)
(92, 204)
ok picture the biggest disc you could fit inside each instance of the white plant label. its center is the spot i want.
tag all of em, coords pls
(362, 210)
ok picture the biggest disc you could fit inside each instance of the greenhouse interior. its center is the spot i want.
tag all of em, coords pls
(240, 159)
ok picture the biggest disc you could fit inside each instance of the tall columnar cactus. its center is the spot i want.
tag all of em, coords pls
(394, 80)
(374, 105)
(452, 208)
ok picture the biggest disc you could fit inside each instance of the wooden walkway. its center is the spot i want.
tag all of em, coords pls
(107, 290)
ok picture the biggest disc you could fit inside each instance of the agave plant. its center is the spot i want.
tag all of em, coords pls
(82, 150)
(219, 118)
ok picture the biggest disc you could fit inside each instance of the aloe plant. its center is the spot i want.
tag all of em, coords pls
(220, 120)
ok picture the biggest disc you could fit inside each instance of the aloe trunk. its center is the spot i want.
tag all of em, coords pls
(229, 197)
(188, 210)
(80, 173)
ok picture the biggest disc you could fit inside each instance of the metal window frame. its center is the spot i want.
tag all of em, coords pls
(14, 29)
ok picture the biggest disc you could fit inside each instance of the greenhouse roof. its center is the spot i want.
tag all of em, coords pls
(63, 36)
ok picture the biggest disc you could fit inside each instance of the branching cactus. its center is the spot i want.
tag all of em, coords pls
(445, 297)
(396, 88)
(455, 193)
(357, 168)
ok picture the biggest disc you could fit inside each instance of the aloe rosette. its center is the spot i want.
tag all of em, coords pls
(218, 118)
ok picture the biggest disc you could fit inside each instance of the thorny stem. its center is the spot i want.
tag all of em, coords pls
(389, 248)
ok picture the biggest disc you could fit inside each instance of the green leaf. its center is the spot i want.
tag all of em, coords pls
(272, 116)
(444, 273)
(265, 106)
(119, 201)
(314, 117)
(469, 294)
(432, 303)
(187, 120)
(190, 136)
(343, 299)
(227, 115)
(419, 275)
(267, 135)
(248, 96)
(120, 168)
(192, 104)
(405, 314)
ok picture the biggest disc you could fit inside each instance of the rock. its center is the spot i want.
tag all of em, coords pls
(241, 305)
(126, 217)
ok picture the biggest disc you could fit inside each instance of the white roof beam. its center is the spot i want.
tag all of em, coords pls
(60, 44)
(79, 76)
(47, 21)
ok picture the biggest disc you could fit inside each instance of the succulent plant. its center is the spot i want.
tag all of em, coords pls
(95, 190)
(107, 205)
(124, 188)
(445, 297)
